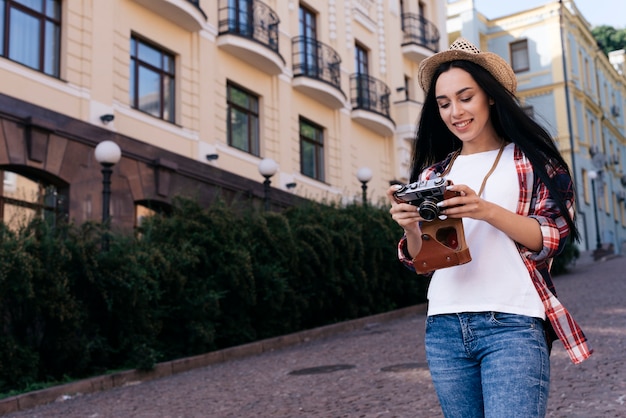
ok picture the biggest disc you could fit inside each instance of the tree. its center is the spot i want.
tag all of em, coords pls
(608, 38)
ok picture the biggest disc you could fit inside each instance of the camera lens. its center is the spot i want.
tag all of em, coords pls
(428, 210)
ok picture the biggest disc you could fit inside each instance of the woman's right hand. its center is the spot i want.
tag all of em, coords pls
(407, 216)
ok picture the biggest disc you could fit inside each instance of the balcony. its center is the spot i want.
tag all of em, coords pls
(421, 37)
(185, 13)
(370, 104)
(316, 72)
(251, 34)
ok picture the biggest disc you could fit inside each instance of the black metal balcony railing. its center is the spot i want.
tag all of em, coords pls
(420, 31)
(369, 93)
(255, 21)
(314, 59)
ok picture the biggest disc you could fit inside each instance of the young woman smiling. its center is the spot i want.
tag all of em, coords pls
(491, 321)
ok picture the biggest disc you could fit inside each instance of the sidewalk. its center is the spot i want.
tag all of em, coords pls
(375, 369)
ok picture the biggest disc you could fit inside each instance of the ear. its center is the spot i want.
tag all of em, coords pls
(491, 102)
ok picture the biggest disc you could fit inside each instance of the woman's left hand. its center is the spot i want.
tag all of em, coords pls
(467, 204)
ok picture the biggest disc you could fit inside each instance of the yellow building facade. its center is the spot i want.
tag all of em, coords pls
(206, 90)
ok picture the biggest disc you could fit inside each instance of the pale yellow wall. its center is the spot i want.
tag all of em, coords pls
(95, 80)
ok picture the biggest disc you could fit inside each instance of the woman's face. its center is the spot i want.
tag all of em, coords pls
(464, 108)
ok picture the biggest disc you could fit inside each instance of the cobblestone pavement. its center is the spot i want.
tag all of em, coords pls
(376, 371)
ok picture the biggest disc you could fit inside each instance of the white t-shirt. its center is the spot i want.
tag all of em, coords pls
(496, 278)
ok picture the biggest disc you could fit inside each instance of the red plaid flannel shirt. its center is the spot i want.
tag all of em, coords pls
(535, 201)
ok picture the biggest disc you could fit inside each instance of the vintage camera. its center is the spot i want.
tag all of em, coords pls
(425, 195)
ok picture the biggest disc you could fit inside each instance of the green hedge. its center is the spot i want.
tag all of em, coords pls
(188, 283)
(197, 280)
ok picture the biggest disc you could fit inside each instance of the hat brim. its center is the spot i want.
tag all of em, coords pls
(496, 65)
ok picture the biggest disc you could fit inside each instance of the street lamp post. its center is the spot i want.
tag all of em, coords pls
(593, 175)
(364, 174)
(108, 154)
(267, 168)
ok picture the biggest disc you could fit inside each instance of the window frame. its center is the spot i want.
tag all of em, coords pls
(516, 47)
(307, 22)
(166, 111)
(49, 202)
(361, 59)
(318, 150)
(46, 19)
(307, 29)
(241, 17)
(253, 118)
(408, 90)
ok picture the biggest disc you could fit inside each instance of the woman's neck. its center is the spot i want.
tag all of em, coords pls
(471, 148)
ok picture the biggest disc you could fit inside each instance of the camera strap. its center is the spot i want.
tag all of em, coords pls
(493, 167)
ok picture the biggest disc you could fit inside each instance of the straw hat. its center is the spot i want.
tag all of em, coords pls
(462, 49)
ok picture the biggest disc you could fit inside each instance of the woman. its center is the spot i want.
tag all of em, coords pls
(492, 320)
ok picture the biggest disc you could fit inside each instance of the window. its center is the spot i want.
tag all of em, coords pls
(360, 60)
(243, 119)
(586, 187)
(152, 88)
(311, 150)
(147, 208)
(408, 94)
(30, 32)
(587, 71)
(362, 80)
(308, 33)
(592, 135)
(307, 24)
(240, 17)
(422, 15)
(24, 198)
(519, 56)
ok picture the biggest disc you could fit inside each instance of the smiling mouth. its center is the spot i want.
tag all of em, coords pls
(463, 124)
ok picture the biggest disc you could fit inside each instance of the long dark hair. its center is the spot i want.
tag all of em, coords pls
(434, 141)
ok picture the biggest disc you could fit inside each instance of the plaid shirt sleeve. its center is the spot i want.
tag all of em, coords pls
(536, 202)
(553, 223)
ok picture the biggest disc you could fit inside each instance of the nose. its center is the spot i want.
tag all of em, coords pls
(457, 109)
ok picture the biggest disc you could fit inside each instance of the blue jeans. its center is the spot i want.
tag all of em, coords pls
(489, 364)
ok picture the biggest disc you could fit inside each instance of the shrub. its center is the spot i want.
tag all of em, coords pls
(193, 281)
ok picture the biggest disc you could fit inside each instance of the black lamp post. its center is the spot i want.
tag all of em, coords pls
(593, 175)
(364, 174)
(267, 168)
(107, 153)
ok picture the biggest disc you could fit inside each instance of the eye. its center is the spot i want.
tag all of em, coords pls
(444, 105)
(466, 99)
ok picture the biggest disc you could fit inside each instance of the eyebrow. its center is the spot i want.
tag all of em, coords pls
(457, 93)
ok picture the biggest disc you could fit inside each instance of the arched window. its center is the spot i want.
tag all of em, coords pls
(146, 208)
(26, 195)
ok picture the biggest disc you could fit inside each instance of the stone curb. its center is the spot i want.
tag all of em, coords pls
(129, 377)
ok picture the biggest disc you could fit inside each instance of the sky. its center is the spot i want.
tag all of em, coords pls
(596, 12)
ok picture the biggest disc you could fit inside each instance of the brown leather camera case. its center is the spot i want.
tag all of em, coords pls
(443, 245)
